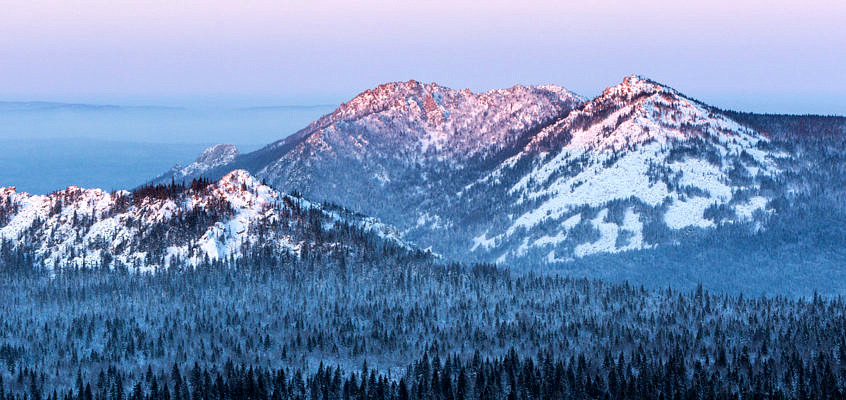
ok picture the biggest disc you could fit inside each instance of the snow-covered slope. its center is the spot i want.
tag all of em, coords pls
(212, 157)
(431, 120)
(531, 173)
(640, 156)
(155, 226)
(406, 123)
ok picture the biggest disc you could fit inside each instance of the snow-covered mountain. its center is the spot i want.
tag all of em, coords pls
(155, 226)
(210, 158)
(630, 165)
(534, 173)
(406, 138)
(417, 121)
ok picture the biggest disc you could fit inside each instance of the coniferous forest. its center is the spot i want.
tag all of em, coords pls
(403, 327)
(299, 300)
(422, 200)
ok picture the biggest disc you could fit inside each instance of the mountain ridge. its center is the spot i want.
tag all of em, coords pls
(429, 107)
(536, 173)
(161, 225)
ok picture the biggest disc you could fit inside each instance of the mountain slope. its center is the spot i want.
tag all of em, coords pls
(430, 121)
(538, 174)
(211, 158)
(157, 226)
(410, 139)
(635, 162)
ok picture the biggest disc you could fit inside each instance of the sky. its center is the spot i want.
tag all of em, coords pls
(766, 56)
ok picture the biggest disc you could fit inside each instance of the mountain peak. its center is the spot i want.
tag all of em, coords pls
(238, 177)
(512, 169)
(433, 101)
(217, 154)
(210, 158)
(635, 79)
(635, 86)
(391, 95)
(638, 110)
(430, 120)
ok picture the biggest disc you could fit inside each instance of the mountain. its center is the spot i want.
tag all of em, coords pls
(163, 225)
(210, 158)
(39, 106)
(404, 137)
(203, 124)
(617, 174)
(539, 174)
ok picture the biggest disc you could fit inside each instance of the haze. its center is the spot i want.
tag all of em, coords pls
(231, 70)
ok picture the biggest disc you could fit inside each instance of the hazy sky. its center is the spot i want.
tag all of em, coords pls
(777, 55)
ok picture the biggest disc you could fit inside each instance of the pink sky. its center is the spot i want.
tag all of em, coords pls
(780, 56)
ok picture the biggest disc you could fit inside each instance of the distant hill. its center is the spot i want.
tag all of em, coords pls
(42, 166)
(242, 126)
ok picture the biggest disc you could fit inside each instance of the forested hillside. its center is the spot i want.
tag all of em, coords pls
(286, 328)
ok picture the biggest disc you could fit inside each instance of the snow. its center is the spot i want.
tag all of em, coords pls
(58, 238)
(426, 220)
(639, 143)
(418, 119)
(568, 224)
(545, 240)
(696, 172)
(551, 258)
(609, 231)
(594, 185)
(632, 223)
(214, 156)
(606, 241)
(687, 213)
(483, 241)
(746, 210)
(612, 158)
